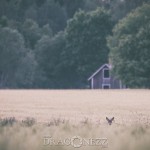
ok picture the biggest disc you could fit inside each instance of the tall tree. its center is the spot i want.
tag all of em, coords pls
(86, 43)
(26, 75)
(129, 48)
(11, 51)
(53, 14)
(48, 55)
(31, 32)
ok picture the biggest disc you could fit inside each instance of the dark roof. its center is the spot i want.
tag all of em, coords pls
(98, 70)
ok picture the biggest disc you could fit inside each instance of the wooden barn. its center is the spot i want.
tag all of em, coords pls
(101, 79)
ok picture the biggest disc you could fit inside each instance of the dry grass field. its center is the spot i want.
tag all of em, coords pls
(68, 113)
(127, 106)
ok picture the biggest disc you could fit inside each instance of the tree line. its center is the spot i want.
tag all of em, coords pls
(59, 43)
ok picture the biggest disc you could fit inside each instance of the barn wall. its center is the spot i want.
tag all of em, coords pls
(98, 81)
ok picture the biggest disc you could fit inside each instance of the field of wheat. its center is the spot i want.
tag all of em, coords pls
(44, 119)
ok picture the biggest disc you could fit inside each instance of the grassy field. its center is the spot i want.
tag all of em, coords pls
(64, 114)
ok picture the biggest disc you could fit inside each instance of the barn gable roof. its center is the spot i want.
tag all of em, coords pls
(98, 70)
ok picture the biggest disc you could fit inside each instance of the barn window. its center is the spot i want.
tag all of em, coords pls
(106, 73)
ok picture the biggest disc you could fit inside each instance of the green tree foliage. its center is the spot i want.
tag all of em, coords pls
(48, 55)
(38, 48)
(46, 30)
(92, 4)
(11, 51)
(31, 32)
(26, 71)
(132, 4)
(129, 48)
(86, 43)
(53, 14)
(120, 8)
(71, 6)
(17, 64)
(3, 21)
(41, 11)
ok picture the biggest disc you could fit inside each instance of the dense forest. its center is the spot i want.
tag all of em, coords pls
(59, 43)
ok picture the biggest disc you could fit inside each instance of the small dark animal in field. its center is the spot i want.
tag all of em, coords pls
(110, 120)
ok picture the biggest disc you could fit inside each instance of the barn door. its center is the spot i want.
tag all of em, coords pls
(106, 86)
